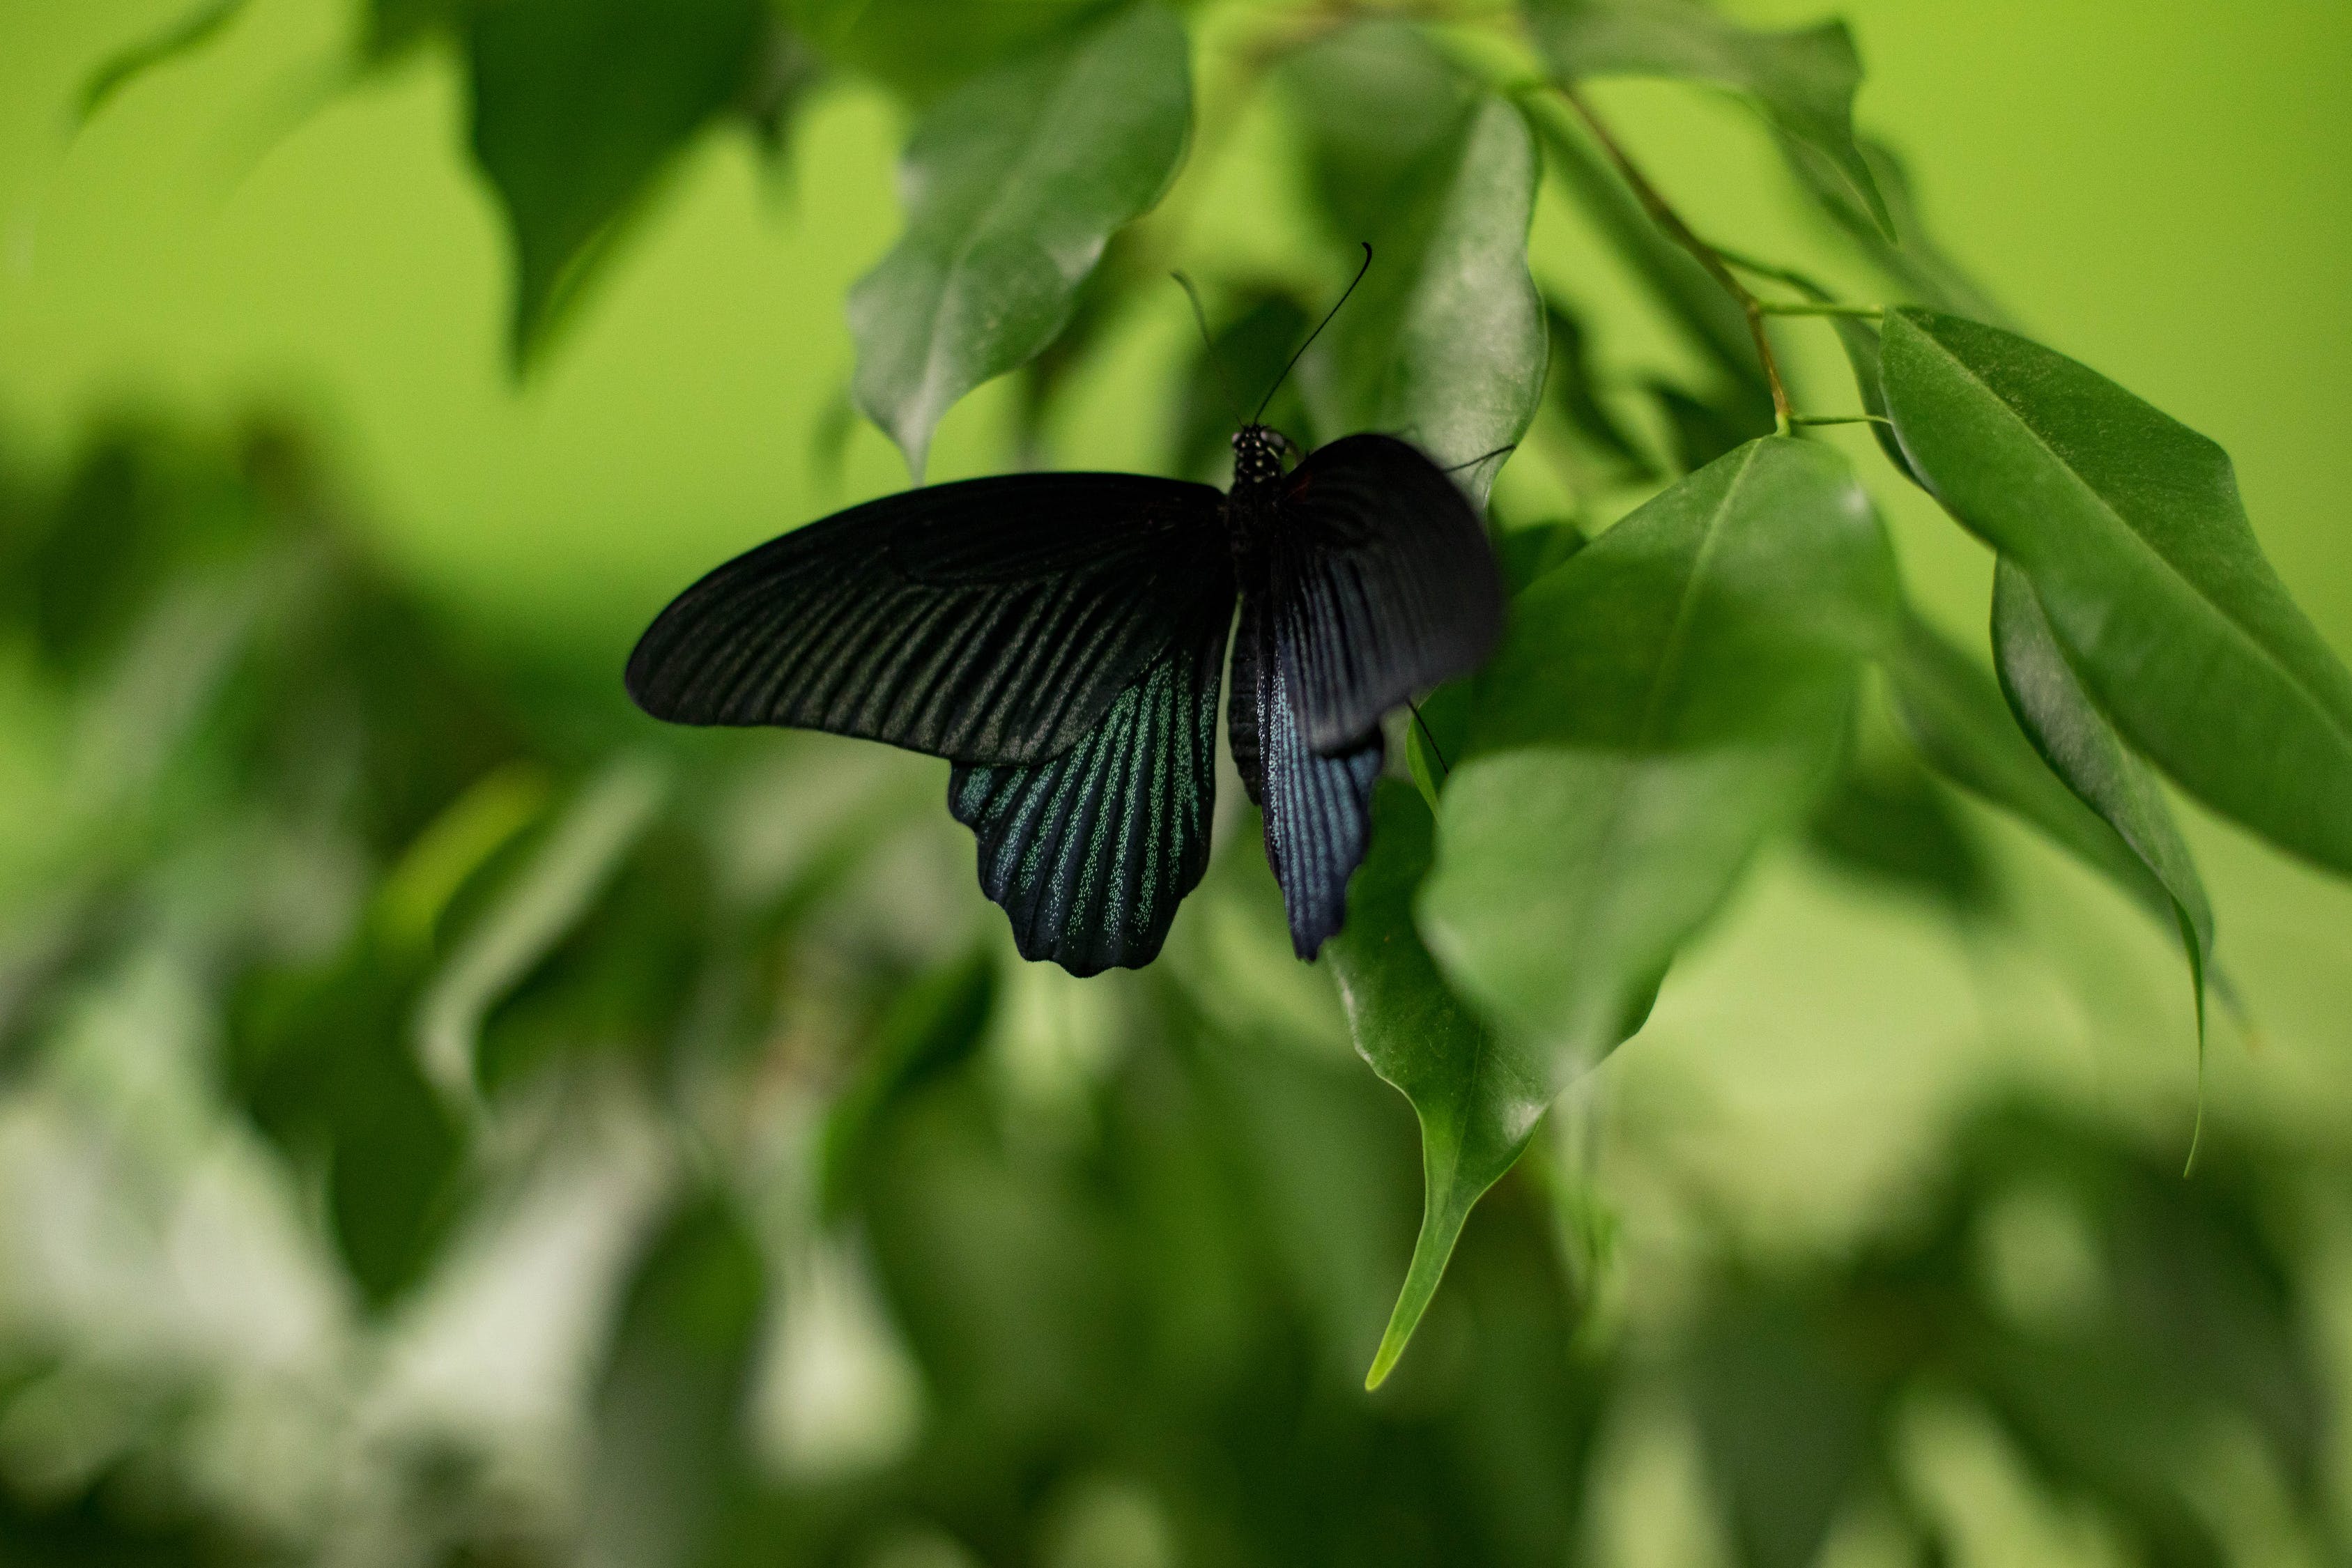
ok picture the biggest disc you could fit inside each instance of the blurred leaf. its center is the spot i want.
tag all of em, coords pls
(1911, 260)
(1887, 820)
(1704, 430)
(1955, 713)
(669, 1420)
(1444, 343)
(1527, 553)
(1375, 101)
(1241, 361)
(932, 1024)
(1477, 1093)
(1804, 82)
(1708, 316)
(1661, 705)
(579, 105)
(785, 71)
(1013, 186)
(1860, 340)
(1570, 388)
(2130, 527)
(201, 25)
(389, 28)
(1790, 1424)
(922, 48)
(547, 897)
(2086, 752)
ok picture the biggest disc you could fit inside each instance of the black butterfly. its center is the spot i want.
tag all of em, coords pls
(1059, 637)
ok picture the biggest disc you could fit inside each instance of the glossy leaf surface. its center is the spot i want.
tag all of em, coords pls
(579, 105)
(1803, 81)
(1444, 343)
(1477, 1093)
(2084, 750)
(1662, 704)
(2130, 527)
(1013, 186)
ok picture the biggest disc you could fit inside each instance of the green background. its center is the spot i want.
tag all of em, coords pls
(2160, 191)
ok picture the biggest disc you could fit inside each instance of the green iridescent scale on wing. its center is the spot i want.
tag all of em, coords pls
(1089, 854)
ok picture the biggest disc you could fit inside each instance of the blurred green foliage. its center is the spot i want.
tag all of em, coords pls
(444, 1121)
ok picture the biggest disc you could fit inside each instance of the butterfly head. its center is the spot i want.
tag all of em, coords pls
(1257, 454)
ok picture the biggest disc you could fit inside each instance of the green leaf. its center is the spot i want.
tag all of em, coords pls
(1860, 340)
(1956, 715)
(1706, 428)
(1444, 343)
(1887, 820)
(1803, 81)
(549, 895)
(579, 105)
(1014, 185)
(1476, 1092)
(192, 31)
(931, 1024)
(2081, 749)
(1241, 359)
(2130, 527)
(1911, 260)
(1373, 101)
(665, 1452)
(1663, 704)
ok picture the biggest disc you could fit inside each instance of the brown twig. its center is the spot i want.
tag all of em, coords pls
(1676, 229)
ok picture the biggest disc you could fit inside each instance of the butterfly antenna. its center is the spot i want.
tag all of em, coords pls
(1442, 770)
(1318, 332)
(1208, 346)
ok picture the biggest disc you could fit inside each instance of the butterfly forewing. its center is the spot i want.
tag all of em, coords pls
(990, 621)
(1089, 854)
(1381, 584)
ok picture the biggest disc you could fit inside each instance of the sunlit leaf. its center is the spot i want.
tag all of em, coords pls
(2130, 527)
(1444, 343)
(1476, 1092)
(1663, 704)
(579, 105)
(2083, 751)
(1012, 184)
(1803, 81)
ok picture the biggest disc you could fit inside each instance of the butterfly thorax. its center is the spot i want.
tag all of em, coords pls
(1259, 452)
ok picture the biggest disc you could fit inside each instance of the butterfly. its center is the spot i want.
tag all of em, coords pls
(1060, 639)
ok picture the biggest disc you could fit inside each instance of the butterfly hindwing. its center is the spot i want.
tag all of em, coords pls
(1090, 853)
(1318, 808)
(1383, 584)
(990, 621)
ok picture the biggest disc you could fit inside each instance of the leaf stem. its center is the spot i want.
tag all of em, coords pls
(1802, 420)
(1707, 255)
(1866, 313)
